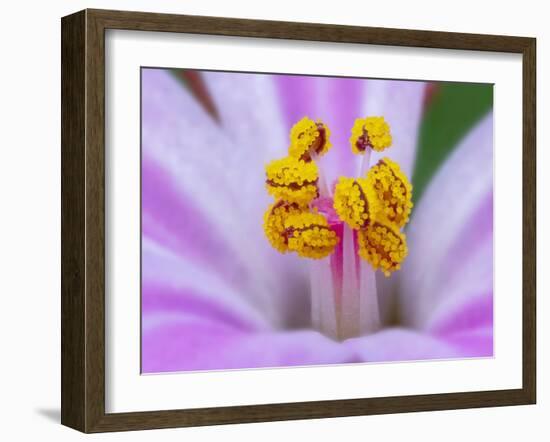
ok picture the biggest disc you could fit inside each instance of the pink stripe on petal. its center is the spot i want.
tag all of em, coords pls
(186, 345)
(162, 268)
(158, 299)
(450, 233)
(334, 100)
(475, 343)
(475, 312)
(218, 177)
(297, 94)
(172, 219)
(201, 345)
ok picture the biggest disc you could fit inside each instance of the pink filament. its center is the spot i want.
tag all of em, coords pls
(343, 287)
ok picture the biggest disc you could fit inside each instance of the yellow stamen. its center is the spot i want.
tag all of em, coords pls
(383, 246)
(370, 132)
(393, 189)
(307, 137)
(274, 223)
(355, 202)
(292, 180)
(309, 235)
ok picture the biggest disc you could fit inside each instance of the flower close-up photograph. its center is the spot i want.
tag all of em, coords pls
(296, 220)
(260, 221)
(255, 221)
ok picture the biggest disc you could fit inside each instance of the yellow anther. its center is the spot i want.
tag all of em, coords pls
(383, 246)
(274, 223)
(370, 133)
(393, 189)
(292, 180)
(309, 235)
(307, 137)
(355, 202)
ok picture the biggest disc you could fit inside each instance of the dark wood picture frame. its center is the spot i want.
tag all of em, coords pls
(83, 220)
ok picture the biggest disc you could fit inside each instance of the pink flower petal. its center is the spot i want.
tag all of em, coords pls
(337, 102)
(468, 326)
(200, 345)
(401, 103)
(192, 163)
(163, 269)
(396, 344)
(249, 111)
(450, 236)
(171, 218)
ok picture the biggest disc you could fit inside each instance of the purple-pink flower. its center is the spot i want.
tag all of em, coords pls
(215, 295)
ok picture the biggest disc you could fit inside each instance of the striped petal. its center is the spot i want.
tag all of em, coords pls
(450, 237)
(189, 344)
(162, 269)
(398, 344)
(251, 117)
(334, 100)
(401, 103)
(203, 190)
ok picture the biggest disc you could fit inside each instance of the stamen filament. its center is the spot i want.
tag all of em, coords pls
(324, 190)
(344, 299)
(364, 163)
(323, 307)
(349, 316)
(369, 311)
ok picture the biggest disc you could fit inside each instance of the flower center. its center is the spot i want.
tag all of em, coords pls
(350, 235)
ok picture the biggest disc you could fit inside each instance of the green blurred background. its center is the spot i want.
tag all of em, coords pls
(453, 109)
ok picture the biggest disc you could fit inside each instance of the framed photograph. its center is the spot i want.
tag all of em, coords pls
(270, 220)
